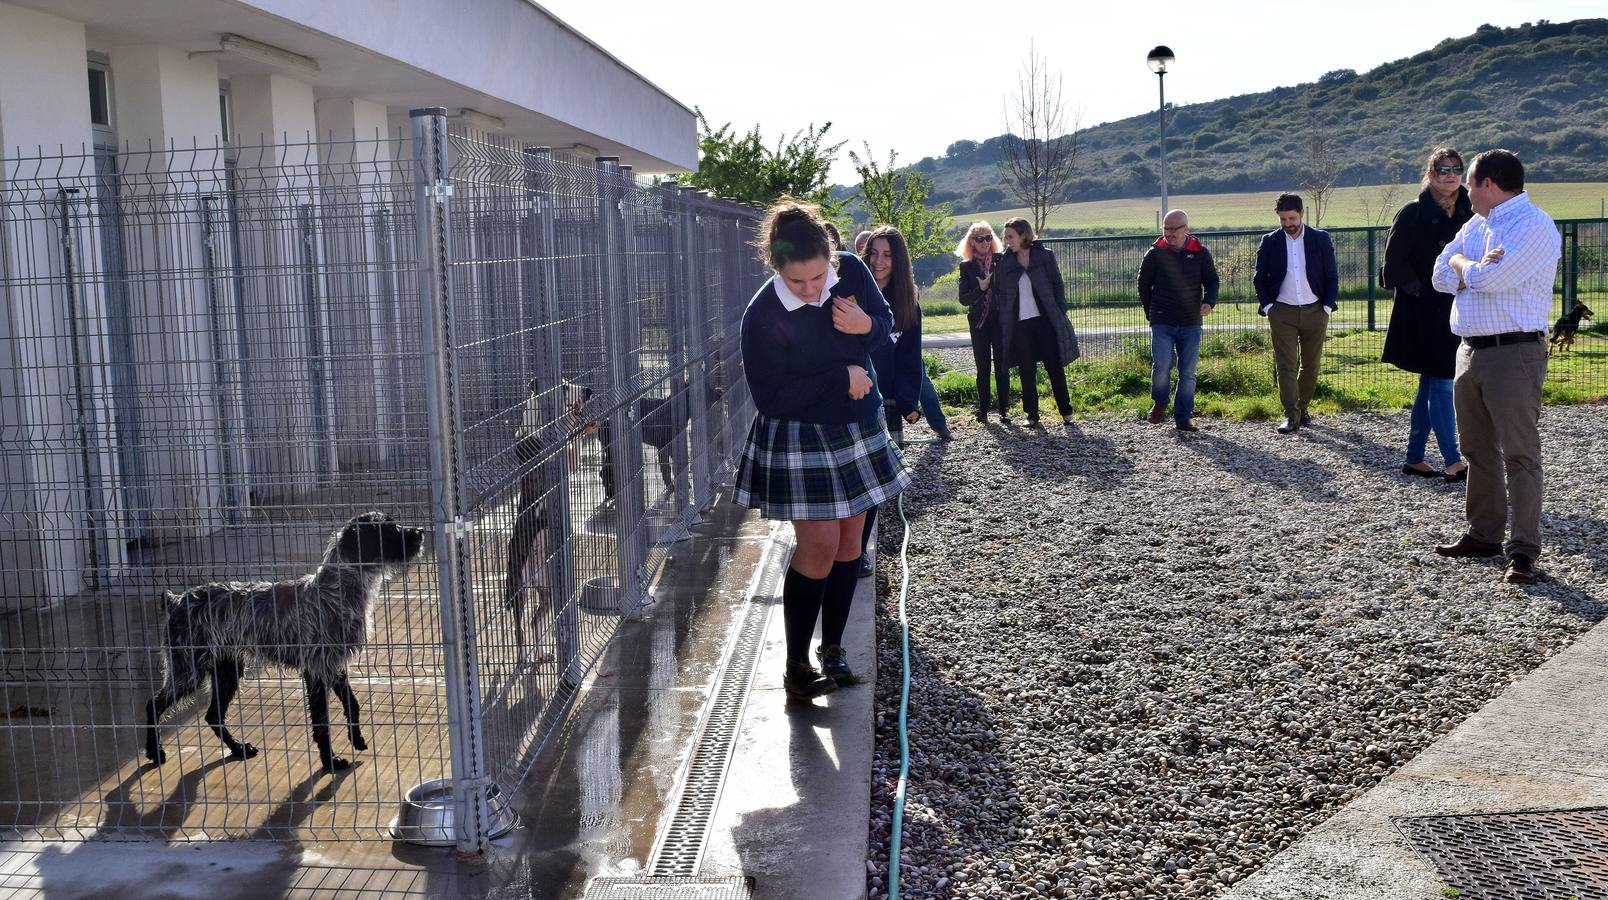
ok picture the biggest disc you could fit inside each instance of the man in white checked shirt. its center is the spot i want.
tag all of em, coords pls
(1501, 268)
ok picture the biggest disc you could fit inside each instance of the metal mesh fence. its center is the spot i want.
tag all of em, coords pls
(1100, 275)
(211, 360)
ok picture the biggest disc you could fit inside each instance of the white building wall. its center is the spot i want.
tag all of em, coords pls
(44, 108)
(166, 110)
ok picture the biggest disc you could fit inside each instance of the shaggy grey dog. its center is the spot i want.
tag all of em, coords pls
(313, 624)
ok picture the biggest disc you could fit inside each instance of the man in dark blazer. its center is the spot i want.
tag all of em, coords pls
(1297, 288)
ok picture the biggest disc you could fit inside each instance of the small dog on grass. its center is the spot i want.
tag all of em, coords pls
(537, 534)
(1563, 330)
(314, 624)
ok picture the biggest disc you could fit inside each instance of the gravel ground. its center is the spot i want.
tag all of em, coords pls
(1144, 662)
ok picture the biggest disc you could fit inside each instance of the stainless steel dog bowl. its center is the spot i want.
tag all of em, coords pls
(427, 815)
(600, 597)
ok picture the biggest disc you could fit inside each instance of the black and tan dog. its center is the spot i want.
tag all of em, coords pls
(537, 533)
(1563, 330)
(314, 624)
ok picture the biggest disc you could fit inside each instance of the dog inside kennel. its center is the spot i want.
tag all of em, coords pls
(323, 482)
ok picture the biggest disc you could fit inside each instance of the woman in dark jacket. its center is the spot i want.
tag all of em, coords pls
(1034, 327)
(980, 253)
(1420, 338)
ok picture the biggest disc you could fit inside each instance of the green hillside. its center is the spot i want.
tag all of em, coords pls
(1540, 89)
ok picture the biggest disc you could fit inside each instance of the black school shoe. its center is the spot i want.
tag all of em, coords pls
(802, 682)
(1421, 473)
(835, 665)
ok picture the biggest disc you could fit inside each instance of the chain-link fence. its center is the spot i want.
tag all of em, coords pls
(211, 360)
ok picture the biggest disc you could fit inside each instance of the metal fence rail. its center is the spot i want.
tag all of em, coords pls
(211, 359)
(1100, 275)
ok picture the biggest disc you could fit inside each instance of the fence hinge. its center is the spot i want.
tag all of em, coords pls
(440, 191)
(460, 528)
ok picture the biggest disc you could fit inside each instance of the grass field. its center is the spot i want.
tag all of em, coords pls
(1236, 378)
(1350, 206)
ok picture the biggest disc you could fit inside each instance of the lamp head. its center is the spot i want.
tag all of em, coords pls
(1160, 59)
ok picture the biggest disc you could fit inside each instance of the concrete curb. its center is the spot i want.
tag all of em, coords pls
(795, 812)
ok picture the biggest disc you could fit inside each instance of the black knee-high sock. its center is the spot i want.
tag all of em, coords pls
(869, 527)
(837, 600)
(801, 606)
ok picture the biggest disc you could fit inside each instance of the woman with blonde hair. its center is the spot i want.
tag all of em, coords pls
(980, 253)
(1034, 326)
(1420, 337)
(817, 453)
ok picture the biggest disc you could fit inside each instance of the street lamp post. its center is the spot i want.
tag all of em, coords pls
(1159, 60)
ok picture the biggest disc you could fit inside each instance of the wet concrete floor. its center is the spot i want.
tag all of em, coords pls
(590, 804)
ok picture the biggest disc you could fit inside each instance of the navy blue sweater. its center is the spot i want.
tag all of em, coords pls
(797, 364)
(899, 368)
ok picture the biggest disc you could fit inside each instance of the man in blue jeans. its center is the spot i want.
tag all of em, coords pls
(1178, 288)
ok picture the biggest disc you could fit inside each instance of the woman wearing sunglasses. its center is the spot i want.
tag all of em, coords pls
(980, 253)
(1033, 323)
(1420, 338)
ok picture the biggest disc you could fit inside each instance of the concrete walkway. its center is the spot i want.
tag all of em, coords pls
(1541, 744)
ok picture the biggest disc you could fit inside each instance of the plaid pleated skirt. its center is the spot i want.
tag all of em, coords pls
(802, 470)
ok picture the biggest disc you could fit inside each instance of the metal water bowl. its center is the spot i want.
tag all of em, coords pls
(600, 597)
(427, 815)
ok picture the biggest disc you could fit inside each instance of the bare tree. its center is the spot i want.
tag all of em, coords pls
(1320, 175)
(1041, 140)
(1379, 203)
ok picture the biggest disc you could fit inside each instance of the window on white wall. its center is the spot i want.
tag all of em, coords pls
(100, 101)
(225, 111)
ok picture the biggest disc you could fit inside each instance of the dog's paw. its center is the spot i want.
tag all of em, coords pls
(243, 752)
(157, 755)
(357, 740)
(336, 764)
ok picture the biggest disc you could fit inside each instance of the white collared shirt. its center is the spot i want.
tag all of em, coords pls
(1515, 292)
(790, 301)
(1294, 290)
(1028, 308)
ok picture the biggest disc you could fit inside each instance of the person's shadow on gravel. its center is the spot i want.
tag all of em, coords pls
(1298, 473)
(1056, 452)
(1356, 446)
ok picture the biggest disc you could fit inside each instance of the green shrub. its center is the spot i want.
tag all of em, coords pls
(942, 308)
(955, 388)
(1235, 375)
(934, 366)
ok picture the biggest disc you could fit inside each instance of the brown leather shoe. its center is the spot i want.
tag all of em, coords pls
(1468, 547)
(1185, 425)
(1158, 411)
(1520, 570)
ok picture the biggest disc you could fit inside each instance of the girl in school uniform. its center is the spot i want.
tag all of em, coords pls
(817, 453)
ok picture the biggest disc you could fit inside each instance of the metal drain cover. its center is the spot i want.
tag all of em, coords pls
(675, 888)
(1549, 855)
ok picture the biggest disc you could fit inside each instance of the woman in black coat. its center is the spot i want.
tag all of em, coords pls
(1420, 338)
(1034, 326)
(980, 253)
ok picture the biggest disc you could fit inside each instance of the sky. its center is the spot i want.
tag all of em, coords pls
(915, 77)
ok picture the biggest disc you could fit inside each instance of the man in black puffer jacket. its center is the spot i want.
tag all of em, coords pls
(1178, 287)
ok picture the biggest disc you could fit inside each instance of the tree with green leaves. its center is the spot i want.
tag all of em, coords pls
(744, 168)
(898, 197)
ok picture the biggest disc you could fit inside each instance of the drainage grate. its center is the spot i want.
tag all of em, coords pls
(681, 846)
(1550, 855)
(670, 889)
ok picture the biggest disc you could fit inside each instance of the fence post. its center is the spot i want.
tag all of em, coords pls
(622, 343)
(680, 358)
(85, 428)
(1373, 276)
(1571, 267)
(549, 353)
(224, 393)
(698, 302)
(433, 227)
